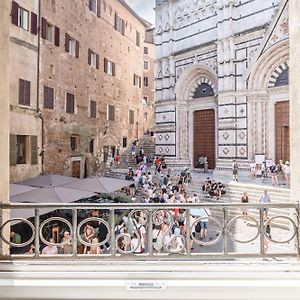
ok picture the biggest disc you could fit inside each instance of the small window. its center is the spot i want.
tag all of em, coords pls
(119, 24)
(24, 92)
(93, 109)
(23, 20)
(145, 116)
(48, 97)
(124, 144)
(137, 80)
(94, 6)
(49, 32)
(74, 143)
(109, 67)
(72, 47)
(111, 113)
(146, 50)
(92, 146)
(70, 105)
(146, 81)
(131, 117)
(21, 149)
(138, 39)
(146, 65)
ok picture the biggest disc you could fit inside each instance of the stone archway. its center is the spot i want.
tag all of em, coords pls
(196, 105)
(267, 89)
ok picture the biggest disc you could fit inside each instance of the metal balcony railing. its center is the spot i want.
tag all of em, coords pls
(149, 231)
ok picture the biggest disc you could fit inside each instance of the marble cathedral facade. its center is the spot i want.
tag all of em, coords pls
(222, 81)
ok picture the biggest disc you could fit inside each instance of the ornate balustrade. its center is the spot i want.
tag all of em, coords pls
(148, 232)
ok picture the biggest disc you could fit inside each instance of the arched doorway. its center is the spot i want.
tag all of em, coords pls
(204, 137)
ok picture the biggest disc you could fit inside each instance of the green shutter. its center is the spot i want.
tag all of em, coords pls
(12, 150)
(34, 149)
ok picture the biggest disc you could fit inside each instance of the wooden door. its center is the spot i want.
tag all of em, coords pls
(204, 137)
(282, 131)
(76, 169)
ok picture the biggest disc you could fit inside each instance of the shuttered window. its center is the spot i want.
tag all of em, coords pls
(23, 18)
(124, 144)
(70, 103)
(21, 149)
(33, 23)
(93, 59)
(15, 13)
(145, 50)
(109, 67)
(48, 97)
(34, 150)
(131, 117)
(94, 6)
(119, 24)
(74, 143)
(92, 147)
(12, 149)
(56, 36)
(146, 81)
(71, 46)
(93, 109)
(137, 80)
(111, 113)
(24, 92)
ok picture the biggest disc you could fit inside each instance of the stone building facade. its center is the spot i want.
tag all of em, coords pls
(222, 81)
(25, 122)
(76, 84)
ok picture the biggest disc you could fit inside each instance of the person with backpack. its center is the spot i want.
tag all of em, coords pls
(274, 171)
(235, 168)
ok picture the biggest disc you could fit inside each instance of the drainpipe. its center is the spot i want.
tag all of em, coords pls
(38, 87)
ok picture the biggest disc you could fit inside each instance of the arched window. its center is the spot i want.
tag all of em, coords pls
(203, 90)
(283, 78)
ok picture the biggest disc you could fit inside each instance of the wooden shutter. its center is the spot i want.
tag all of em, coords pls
(123, 27)
(56, 36)
(70, 103)
(116, 22)
(113, 69)
(21, 91)
(48, 97)
(97, 61)
(12, 150)
(44, 28)
(93, 109)
(15, 13)
(98, 8)
(140, 81)
(33, 23)
(77, 49)
(67, 39)
(34, 149)
(89, 57)
(105, 65)
(27, 93)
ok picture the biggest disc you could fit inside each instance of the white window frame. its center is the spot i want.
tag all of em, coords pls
(109, 67)
(93, 59)
(23, 18)
(72, 46)
(49, 32)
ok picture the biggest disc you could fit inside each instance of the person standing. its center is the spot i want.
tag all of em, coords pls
(67, 248)
(265, 198)
(50, 249)
(235, 168)
(287, 172)
(253, 170)
(245, 199)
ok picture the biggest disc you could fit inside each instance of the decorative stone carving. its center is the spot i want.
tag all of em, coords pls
(225, 135)
(225, 150)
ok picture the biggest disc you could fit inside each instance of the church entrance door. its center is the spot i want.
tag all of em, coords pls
(204, 137)
(282, 131)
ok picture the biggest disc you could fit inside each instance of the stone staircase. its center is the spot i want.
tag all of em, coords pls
(234, 191)
(147, 142)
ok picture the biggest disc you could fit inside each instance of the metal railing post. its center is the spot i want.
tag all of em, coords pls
(262, 231)
(150, 232)
(37, 232)
(188, 232)
(298, 226)
(74, 237)
(225, 233)
(112, 231)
